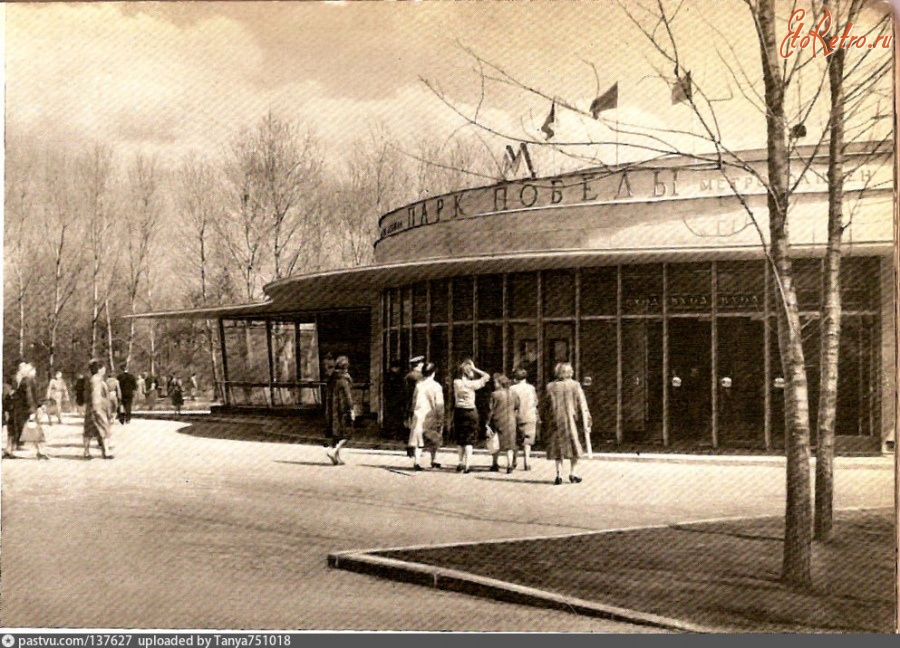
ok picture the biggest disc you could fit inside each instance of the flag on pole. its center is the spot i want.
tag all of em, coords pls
(607, 101)
(547, 128)
(682, 90)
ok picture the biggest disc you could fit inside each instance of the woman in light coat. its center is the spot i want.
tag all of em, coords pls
(427, 429)
(564, 413)
(97, 411)
(59, 393)
(501, 420)
(525, 403)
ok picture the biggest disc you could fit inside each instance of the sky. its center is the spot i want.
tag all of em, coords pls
(168, 78)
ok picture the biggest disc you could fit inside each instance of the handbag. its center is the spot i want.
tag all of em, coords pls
(32, 433)
(493, 441)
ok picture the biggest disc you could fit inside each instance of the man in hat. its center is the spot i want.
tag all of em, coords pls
(413, 378)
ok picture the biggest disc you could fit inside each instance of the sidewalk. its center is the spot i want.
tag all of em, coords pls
(710, 577)
(307, 430)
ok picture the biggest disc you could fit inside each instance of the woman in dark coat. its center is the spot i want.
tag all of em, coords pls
(80, 384)
(339, 415)
(564, 413)
(176, 391)
(22, 407)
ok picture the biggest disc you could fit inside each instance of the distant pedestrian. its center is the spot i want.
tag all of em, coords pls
(193, 386)
(176, 393)
(427, 430)
(465, 415)
(339, 414)
(525, 402)
(97, 411)
(58, 392)
(79, 387)
(564, 412)
(501, 419)
(128, 386)
(115, 398)
(152, 392)
(140, 389)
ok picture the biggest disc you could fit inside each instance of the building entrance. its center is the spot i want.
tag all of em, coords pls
(641, 381)
(740, 382)
(689, 380)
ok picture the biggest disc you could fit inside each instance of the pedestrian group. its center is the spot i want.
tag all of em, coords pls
(99, 397)
(414, 407)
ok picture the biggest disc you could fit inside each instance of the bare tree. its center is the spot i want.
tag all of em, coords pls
(849, 90)
(20, 239)
(63, 234)
(95, 175)
(373, 180)
(140, 232)
(197, 193)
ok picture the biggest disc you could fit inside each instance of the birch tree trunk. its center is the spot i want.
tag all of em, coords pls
(796, 565)
(831, 309)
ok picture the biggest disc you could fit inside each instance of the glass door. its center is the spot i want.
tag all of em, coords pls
(690, 365)
(740, 381)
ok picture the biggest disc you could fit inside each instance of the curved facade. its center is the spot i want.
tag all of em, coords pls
(651, 279)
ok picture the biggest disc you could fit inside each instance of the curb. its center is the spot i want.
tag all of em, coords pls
(466, 583)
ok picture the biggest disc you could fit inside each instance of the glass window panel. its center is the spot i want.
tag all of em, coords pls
(851, 394)
(490, 297)
(438, 353)
(407, 306)
(394, 294)
(420, 303)
(808, 282)
(558, 290)
(404, 351)
(522, 294)
(284, 354)
(463, 294)
(740, 285)
(522, 350)
(462, 344)
(689, 287)
(440, 302)
(642, 289)
(419, 341)
(394, 348)
(490, 348)
(598, 291)
(598, 375)
(248, 356)
(860, 281)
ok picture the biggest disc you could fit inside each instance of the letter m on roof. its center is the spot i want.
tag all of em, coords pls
(513, 160)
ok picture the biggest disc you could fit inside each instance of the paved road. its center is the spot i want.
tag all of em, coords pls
(181, 531)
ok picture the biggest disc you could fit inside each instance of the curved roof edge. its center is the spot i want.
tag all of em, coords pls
(361, 287)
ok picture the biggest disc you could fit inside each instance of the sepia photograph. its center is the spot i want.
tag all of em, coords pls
(495, 316)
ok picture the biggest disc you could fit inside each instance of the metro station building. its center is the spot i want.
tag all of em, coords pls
(650, 278)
